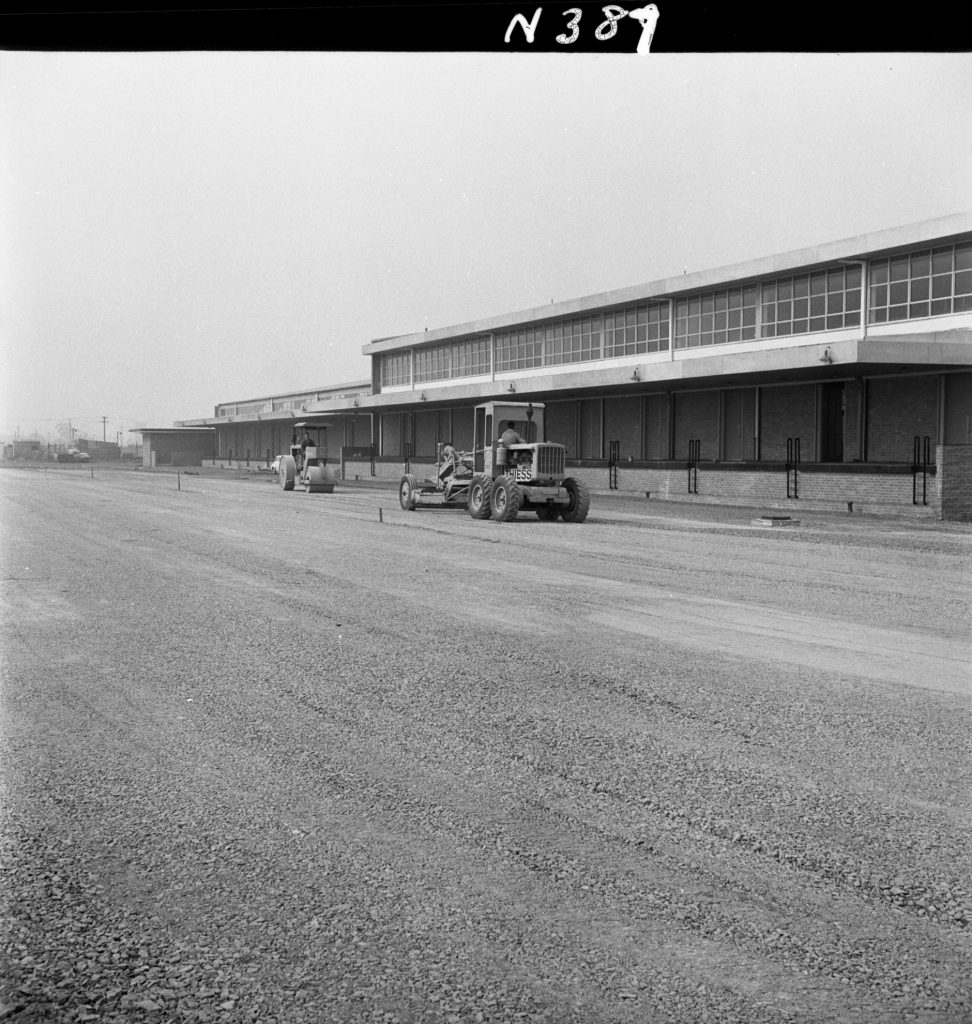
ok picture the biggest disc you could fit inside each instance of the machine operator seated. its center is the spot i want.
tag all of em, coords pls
(510, 435)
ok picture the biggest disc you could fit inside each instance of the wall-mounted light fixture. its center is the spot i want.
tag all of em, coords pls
(635, 375)
(827, 357)
(422, 396)
(511, 388)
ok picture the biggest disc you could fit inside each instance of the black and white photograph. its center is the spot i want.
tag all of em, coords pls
(486, 515)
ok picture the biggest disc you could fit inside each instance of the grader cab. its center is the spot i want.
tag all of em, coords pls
(306, 463)
(511, 469)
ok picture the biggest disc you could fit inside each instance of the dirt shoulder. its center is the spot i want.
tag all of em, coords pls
(287, 757)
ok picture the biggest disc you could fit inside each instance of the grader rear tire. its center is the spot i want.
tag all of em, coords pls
(480, 496)
(287, 472)
(506, 500)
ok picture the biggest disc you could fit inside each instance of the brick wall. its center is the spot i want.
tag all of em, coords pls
(887, 493)
(787, 412)
(697, 418)
(656, 427)
(622, 423)
(561, 423)
(954, 481)
(899, 409)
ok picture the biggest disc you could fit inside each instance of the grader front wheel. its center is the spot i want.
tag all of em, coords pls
(580, 501)
(406, 492)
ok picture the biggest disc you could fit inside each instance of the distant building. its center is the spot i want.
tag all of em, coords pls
(176, 446)
(839, 375)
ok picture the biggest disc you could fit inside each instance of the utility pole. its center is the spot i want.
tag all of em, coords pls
(104, 425)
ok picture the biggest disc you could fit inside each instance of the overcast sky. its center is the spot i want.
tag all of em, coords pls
(184, 229)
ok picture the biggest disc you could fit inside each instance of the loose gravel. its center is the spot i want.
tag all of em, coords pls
(275, 757)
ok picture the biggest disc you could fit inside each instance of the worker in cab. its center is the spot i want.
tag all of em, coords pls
(509, 435)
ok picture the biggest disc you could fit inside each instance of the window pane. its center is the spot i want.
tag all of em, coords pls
(920, 264)
(963, 257)
(879, 272)
(899, 292)
(918, 309)
(800, 326)
(941, 286)
(919, 289)
(899, 268)
(942, 261)
(963, 282)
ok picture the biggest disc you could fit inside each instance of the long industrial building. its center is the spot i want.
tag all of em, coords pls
(838, 376)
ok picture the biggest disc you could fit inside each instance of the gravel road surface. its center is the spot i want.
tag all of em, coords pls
(273, 757)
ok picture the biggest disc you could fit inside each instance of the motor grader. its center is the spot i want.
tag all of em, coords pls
(306, 463)
(503, 479)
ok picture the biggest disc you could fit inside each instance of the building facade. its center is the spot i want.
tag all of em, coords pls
(838, 375)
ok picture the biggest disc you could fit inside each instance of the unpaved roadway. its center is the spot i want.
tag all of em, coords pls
(304, 758)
